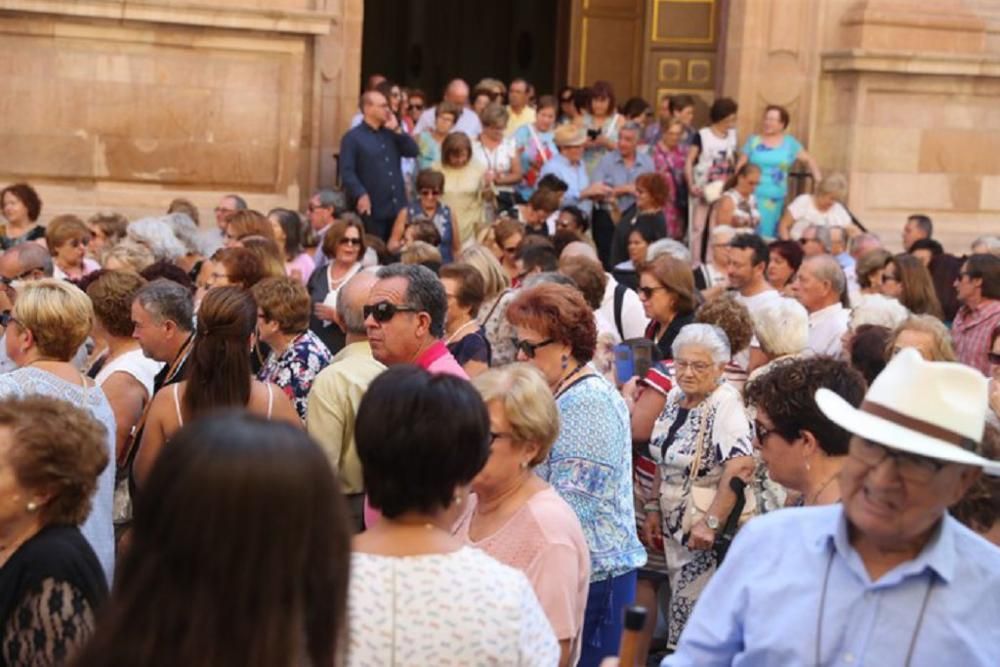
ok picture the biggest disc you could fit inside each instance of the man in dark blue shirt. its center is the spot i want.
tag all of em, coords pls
(370, 167)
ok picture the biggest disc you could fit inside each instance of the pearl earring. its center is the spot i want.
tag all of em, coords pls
(458, 500)
(524, 465)
(32, 506)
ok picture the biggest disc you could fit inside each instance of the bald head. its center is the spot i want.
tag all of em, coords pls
(26, 258)
(457, 92)
(579, 249)
(351, 302)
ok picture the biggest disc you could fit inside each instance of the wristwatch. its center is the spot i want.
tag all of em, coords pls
(711, 522)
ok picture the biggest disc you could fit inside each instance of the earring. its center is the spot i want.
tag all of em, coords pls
(565, 362)
(524, 465)
(458, 500)
(32, 506)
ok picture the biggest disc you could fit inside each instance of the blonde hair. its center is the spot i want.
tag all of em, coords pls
(134, 256)
(419, 252)
(65, 228)
(943, 350)
(834, 185)
(495, 279)
(58, 314)
(527, 403)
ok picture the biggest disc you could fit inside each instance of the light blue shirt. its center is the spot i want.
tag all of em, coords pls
(575, 177)
(613, 171)
(763, 604)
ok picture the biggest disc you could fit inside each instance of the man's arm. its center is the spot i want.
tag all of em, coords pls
(405, 144)
(349, 153)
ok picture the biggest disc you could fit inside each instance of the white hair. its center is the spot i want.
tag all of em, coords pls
(707, 336)
(157, 234)
(879, 310)
(990, 244)
(782, 328)
(186, 232)
(724, 231)
(675, 249)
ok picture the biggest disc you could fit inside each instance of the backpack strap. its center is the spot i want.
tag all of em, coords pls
(620, 291)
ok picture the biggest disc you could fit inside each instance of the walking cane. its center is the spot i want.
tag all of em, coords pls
(725, 538)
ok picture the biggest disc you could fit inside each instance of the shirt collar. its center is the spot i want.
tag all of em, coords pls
(357, 349)
(431, 354)
(828, 311)
(985, 307)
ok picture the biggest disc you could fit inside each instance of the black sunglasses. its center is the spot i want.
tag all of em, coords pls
(528, 347)
(349, 241)
(383, 311)
(648, 292)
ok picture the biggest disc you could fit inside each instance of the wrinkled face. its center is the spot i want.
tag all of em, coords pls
(224, 211)
(779, 271)
(14, 209)
(810, 246)
(508, 459)
(823, 201)
(891, 282)
(741, 271)
(890, 510)
(398, 339)
(966, 286)
(548, 354)
(811, 292)
(922, 341)
(637, 246)
(785, 459)
(319, 215)
(72, 252)
(572, 153)
(720, 250)
(696, 372)
(627, 141)
(150, 334)
(545, 119)
(772, 122)
(349, 247)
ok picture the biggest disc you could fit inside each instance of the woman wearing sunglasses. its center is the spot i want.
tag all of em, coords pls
(666, 290)
(67, 237)
(344, 246)
(428, 205)
(590, 464)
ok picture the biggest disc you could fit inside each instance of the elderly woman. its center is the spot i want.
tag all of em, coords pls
(51, 583)
(297, 354)
(802, 449)
(50, 321)
(536, 145)
(701, 440)
(907, 280)
(518, 518)
(774, 151)
(106, 231)
(411, 554)
(782, 331)
(869, 268)
(235, 266)
(785, 259)
(927, 334)
(666, 290)
(128, 255)
(429, 141)
(464, 180)
(344, 246)
(824, 208)
(67, 238)
(497, 295)
(499, 154)
(590, 462)
(464, 336)
(430, 187)
(730, 315)
(158, 235)
(21, 207)
(288, 228)
(221, 491)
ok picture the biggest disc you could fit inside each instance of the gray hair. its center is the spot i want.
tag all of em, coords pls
(855, 243)
(548, 278)
(351, 302)
(31, 257)
(878, 310)
(991, 244)
(332, 199)
(166, 300)
(782, 328)
(675, 249)
(707, 336)
(822, 235)
(157, 234)
(833, 184)
(825, 267)
(579, 249)
(722, 231)
(186, 232)
(631, 126)
(424, 292)
(239, 202)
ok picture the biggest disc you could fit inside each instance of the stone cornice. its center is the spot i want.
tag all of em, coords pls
(199, 15)
(910, 62)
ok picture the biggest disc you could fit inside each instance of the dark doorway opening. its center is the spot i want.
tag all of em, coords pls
(426, 43)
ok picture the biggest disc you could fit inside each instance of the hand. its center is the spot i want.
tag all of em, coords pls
(364, 205)
(652, 528)
(696, 191)
(701, 537)
(488, 178)
(325, 312)
(994, 391)
(631, 391)
(391, 122)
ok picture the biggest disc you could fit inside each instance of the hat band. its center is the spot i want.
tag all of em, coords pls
(918, 425)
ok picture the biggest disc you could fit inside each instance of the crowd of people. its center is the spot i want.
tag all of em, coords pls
(541, 358)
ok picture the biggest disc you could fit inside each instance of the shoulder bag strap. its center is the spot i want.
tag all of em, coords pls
(619, 302)
(699, 445)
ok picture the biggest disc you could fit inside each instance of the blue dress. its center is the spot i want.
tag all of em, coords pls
(774, 165)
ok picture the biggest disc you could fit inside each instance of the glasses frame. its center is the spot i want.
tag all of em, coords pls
(384, 311)
(529, 348)
(910, 467)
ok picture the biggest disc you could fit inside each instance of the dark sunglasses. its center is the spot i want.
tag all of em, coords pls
(349, 241)
(6, 318)
(383, 311)
(528, 347)
(416, 107)
(994, 358)
(649, 291)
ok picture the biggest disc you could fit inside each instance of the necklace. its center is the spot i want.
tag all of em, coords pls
(823, 488)
(565, 379)
(458, 331)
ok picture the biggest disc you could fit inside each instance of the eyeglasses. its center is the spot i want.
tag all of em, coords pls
(416, 107)
(428, 192)
(910, 467)
(647, 292)
(762, 431)
(495, 436)
(530, 348)
(696, 366)
(994, 357)
(348, 240)
(511, 250)
(383, 311)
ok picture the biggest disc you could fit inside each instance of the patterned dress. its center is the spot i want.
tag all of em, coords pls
(670, 164)
(727, 435)
(492, 318)
(774, 165)
(295, 369)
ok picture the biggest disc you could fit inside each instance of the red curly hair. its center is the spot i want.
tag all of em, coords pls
(558, 312)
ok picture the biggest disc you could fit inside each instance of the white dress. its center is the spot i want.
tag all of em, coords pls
(461, 608)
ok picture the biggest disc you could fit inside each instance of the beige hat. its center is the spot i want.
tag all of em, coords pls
(568, 134)
(928, 408)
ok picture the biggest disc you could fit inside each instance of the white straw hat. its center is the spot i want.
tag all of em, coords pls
(929, 408)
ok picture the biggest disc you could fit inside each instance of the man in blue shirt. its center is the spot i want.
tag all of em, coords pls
(569, 167)
(887, 577)
(370, 164)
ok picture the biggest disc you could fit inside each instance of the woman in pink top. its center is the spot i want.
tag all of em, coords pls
(288, 230)
(515, 516)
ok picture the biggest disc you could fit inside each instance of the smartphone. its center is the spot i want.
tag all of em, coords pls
(633, 357)
(593, 134)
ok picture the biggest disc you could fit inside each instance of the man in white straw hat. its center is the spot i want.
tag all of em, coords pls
(569, 167)
(886, 578)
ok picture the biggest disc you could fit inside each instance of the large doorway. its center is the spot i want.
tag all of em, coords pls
(426, 43)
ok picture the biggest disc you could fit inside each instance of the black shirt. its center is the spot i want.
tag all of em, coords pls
(662, 349)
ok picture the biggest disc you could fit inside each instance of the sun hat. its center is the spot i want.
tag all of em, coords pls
(928, 408)
(568, 135)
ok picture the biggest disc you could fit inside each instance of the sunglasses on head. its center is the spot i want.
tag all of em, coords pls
(383, 311)
(530, 348)
(350, 241)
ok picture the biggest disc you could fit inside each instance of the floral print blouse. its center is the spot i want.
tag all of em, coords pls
(295, 369)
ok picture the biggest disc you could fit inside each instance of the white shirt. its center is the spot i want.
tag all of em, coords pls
(805, 213)
(826, 326)
(460, 608)
(133, 363)
(768, 297)
(468, 122)
(498, 160)
(634, 320)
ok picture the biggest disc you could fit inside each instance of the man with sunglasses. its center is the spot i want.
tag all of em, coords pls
(978, 287)
(323, 209)
(887, 577)
(404, 318)
(22, 263)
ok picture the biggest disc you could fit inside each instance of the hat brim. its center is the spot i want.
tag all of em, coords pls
(571, 144)
(891, 434)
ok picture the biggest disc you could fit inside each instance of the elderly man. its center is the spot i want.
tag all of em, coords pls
(816, 240)
(819, 285)
(228, 205)
(863, 243)
(23, 262)
(518, 111)
(336, 393)
(885, 577)
(457, 92)
(324, 207)
(568, 166)
(918, 226)
(163, 317)
(978, 287)
(370, 164)
(619, 169)
(838, 248)
(404, 319)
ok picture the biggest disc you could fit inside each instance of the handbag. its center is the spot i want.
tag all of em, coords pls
(700, 498)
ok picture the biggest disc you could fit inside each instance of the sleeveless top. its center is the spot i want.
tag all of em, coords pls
(177, 403)
(133, 363)
(717, 157)
(745, 213)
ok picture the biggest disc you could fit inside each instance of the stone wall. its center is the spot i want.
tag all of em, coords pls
(124, 106)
